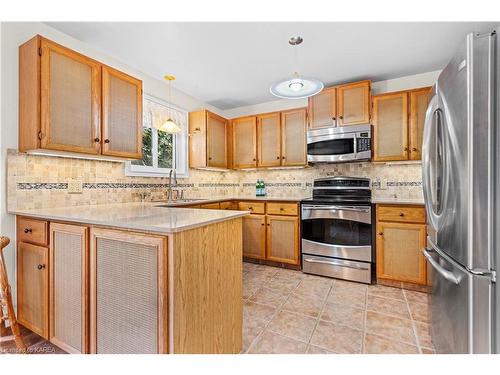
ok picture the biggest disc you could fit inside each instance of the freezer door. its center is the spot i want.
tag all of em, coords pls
(457, 155)
(460, 307)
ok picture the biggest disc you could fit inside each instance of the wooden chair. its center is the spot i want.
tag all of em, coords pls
(6, 302)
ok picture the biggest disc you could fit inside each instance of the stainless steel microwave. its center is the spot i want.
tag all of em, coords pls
(339, 144)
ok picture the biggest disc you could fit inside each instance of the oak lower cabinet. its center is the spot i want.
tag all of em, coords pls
(69, 287)
(401, 236)
(282, 235)
(33, 287)
(128, 285)
(273, 233)
(254, 236)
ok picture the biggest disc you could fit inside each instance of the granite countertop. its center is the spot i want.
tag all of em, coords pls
(145, 216)
(197, 201)
(388, 200)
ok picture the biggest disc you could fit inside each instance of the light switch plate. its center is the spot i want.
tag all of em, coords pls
(75, 187)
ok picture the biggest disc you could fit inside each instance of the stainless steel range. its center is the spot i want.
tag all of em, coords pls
(337, 229)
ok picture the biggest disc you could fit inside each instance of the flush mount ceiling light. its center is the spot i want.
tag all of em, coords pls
(170, 126)
(296, 87)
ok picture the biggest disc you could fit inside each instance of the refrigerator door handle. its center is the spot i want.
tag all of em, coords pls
(443, 272)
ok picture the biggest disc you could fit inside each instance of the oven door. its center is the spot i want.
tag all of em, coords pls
(337, 231)
(331, 148)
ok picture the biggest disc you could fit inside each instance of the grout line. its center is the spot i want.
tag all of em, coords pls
(364, 323)
(319, 315)
(417, 339)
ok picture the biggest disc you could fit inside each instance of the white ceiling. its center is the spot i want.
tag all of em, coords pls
(230, 65)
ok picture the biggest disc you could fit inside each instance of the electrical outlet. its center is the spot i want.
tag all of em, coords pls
(75, 187)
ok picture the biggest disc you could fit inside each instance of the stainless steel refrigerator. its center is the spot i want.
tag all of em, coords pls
(461, 179)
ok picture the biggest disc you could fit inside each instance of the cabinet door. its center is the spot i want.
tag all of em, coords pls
(390, 126)
(70, 100)
(128, 293)
(254, 236)
(68, 291)
(399, 252)
(323, 109)
(216, 141)
(121, 114)
(283, 239)
(32, 288)
(245, 142)
(269, 140)
(293, 137)
(354, 104)
(419, 99)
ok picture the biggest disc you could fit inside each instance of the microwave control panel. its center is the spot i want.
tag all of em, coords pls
(363, 142)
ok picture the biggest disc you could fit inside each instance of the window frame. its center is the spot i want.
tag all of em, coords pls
(179, 145)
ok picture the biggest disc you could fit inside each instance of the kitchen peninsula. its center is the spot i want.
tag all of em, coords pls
(132, 278)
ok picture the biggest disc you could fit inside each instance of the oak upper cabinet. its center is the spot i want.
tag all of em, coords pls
(68, 280)
(128, 285)
(269, 140)
(244, 142)
(390, 126)
(62, 94)
(33, 287)
(323, 109)
(398, 124)
(419, 99)
(121, 114)
(208, 144)
(254, 236)
(283, 239)
(353, 103)
(401, 236)
(293, 137)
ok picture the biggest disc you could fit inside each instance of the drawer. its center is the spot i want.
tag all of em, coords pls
(277, 208)
(32, 231)
(228, 205)
(253, 207)
(405, 214)
(211, 206)
(338, 268)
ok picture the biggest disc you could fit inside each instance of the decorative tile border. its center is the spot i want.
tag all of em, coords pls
(42, 185)
(404, 183)
(218, 184)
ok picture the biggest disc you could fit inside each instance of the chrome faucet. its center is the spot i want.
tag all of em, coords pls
(169, 193)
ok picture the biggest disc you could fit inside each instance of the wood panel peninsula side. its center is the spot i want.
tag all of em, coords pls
(144, 279)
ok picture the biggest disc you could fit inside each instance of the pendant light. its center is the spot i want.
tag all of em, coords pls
(296, 87)
(170, 126)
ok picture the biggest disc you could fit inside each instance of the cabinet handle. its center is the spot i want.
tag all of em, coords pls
(401, 214)
(250, 208)
(28, 230)
(268, 224)
(334, 118)
(106, 141)
(414, 149)
(209, 158)
(254, 159)
(283, 157)
(277, 157)
(406, 148)
(41, 266)
(380, 233)
(341, 117)
(197, 129)
(97, 140)
(262, 224)
(282, 209)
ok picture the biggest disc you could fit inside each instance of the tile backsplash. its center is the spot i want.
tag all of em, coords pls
(35, 181)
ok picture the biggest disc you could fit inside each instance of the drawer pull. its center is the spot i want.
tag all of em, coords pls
(41, 266)
(401, 214)
(106, 141)
(282, 209)
(338, 264)
(28, 230)
(380, 233)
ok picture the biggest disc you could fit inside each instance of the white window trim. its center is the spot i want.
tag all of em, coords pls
(180, 144)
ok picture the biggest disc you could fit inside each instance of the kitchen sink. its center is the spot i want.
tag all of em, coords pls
(176, 202)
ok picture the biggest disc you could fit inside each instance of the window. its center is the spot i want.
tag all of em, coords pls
(161, 151)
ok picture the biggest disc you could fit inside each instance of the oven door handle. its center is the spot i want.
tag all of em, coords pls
(335, 208)
(333, 263)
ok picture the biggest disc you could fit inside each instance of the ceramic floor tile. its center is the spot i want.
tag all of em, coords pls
(273, 343)
(374, 344)
(423, 334)
(419, 311)
(343, 314)
(348, 286)
(252, 327)
(312, 349)
(419, 297)
(386, 291)
(314, 286)
(292, 325)
(337, 338)
(345, 297)
(304, 304)
(249, 289)
(282, 283)
(271, 297)
(254, 310)
(387, 306)
(390, 327)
